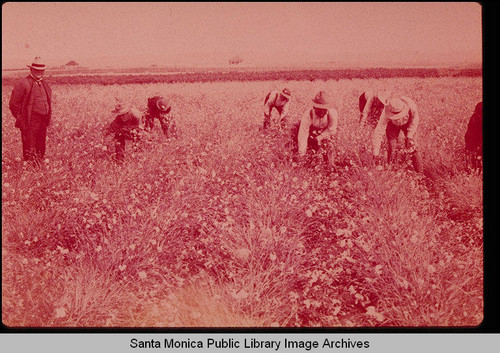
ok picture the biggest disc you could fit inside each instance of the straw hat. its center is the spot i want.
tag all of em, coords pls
(37, 64)
(396, 109)
(286, 93)
(320, 101)
(163, 106)
(120, 109)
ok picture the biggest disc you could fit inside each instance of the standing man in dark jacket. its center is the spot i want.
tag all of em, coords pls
(31, 105)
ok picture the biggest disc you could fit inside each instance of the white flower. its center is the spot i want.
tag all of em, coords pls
(242, 294)
(196, 315)
(242, 253)
(60, 312)
(371, 311)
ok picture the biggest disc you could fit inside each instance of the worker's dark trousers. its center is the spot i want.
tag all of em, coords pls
(120, 139)
(34, 138)
(392, 133)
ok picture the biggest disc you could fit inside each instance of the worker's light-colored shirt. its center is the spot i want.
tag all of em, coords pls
(130, 120)
(412, 119)
(328, 122)
(274, 101)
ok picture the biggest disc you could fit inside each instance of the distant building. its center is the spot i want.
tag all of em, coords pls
(235, 60)
(71, 65)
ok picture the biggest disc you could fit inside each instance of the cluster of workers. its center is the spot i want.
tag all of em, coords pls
(31, 105)
(379, 110)
(129, 121)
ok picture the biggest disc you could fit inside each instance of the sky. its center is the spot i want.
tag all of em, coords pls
(130, 33)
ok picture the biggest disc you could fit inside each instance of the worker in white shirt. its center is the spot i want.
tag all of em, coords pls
(400, 114)
(317, 128)
(279, 100)
(371, 105)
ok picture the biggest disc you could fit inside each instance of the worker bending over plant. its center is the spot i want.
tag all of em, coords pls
(400, 114)
(316, 129)
(279, 100)
(125, 126)
(159, 108)
(371, 105)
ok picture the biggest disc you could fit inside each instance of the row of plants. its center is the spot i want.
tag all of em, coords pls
(288, 75)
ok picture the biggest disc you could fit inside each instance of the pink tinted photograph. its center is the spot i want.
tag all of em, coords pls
(247, 165)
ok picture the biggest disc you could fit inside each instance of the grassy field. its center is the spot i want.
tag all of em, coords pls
(220, 229)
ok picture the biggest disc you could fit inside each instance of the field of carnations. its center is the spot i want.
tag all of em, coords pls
(220, 228)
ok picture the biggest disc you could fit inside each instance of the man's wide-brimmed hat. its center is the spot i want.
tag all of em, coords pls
(120, 109)
(396, 109)
(162, 105)
(286, 93)
(37, 64)
(320, 101)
